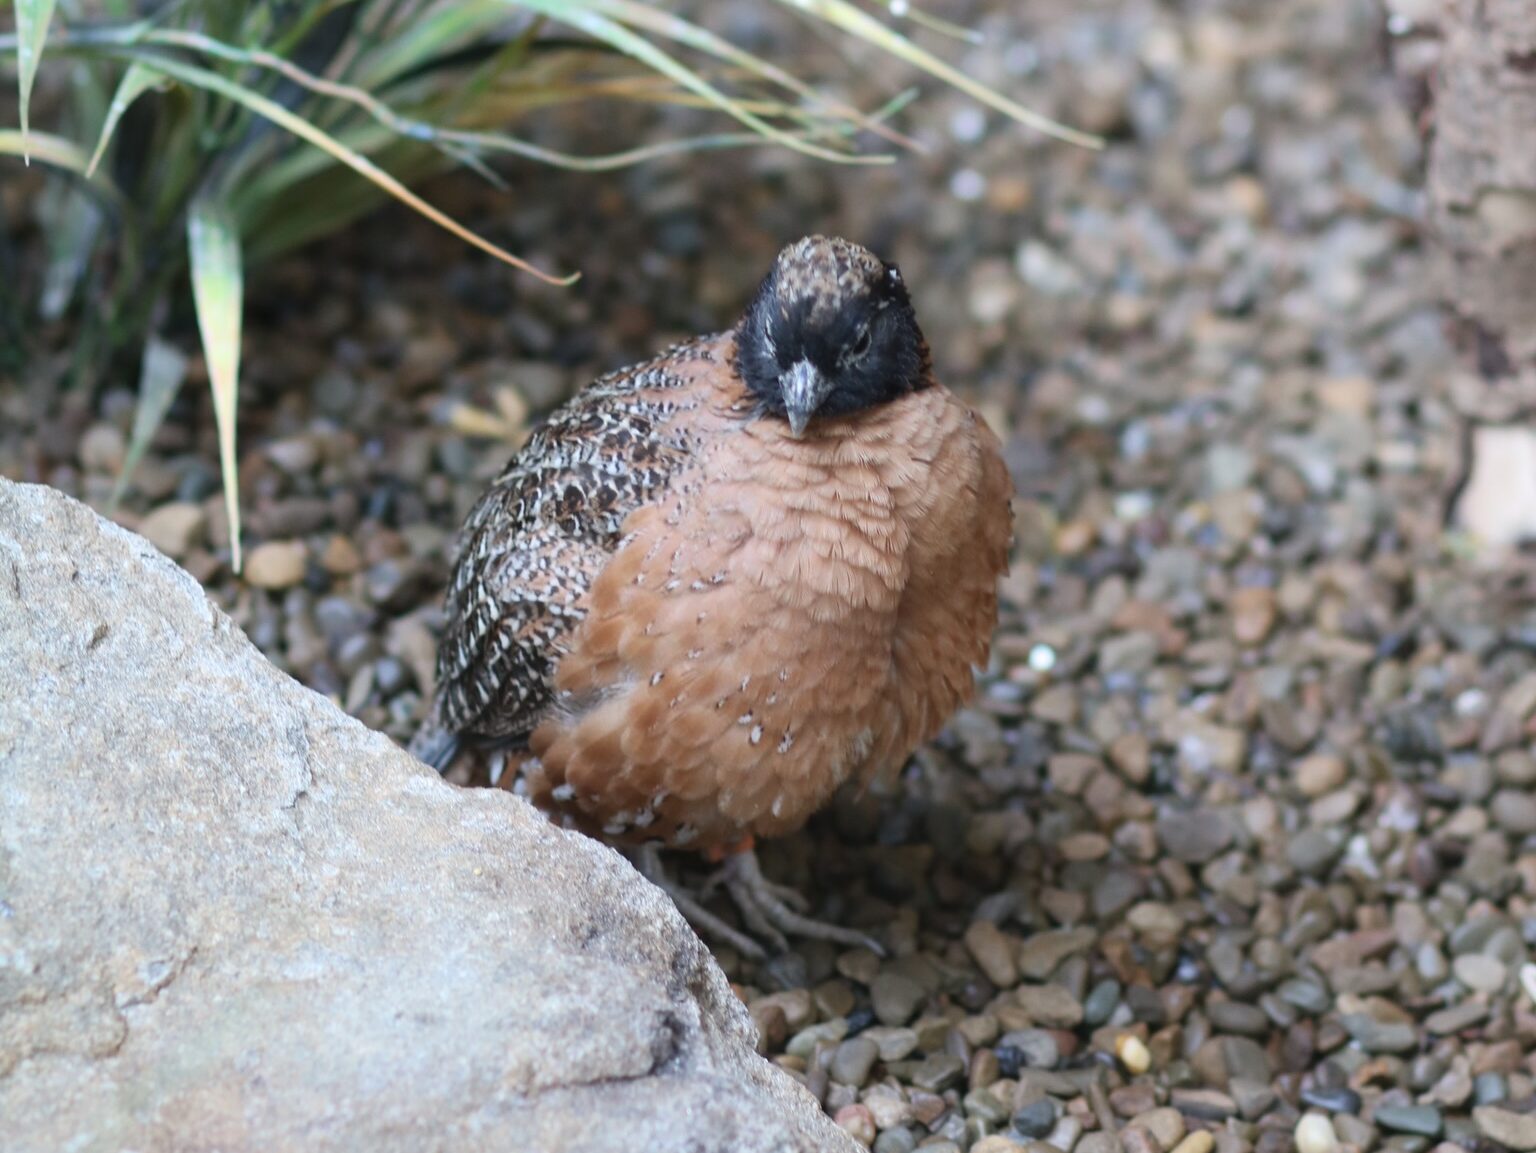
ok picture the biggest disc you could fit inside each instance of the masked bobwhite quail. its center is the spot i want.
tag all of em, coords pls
(716, 586)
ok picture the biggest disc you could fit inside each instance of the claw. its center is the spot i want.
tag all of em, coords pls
(772, 912)
(763, 902)
(647, 861)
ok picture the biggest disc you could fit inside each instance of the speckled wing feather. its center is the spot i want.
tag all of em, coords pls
(539, 536)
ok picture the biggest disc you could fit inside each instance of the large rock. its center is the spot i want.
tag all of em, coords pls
(232, 918)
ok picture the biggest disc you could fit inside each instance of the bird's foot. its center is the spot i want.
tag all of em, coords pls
(647, 861)
(771, 911)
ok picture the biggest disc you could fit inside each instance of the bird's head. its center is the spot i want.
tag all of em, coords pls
(830, 332)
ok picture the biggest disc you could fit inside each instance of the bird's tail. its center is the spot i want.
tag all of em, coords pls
(435, 745)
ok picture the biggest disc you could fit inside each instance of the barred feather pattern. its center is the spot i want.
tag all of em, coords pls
(537, 538)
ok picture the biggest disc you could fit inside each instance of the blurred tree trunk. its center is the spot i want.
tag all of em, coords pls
(1471, 67)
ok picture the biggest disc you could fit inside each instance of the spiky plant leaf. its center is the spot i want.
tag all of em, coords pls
(218, 286)
(161, 373)
(32, 17)
(135, 82)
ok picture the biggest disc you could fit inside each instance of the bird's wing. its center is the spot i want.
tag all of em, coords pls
(537, 538)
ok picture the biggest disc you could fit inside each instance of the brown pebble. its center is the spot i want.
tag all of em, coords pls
(1253, 615)
(995, 953)
(340, 557)
(175, 528)
(1133, 1100)
(1135, 1139)
(277, 564)
(857, 1122)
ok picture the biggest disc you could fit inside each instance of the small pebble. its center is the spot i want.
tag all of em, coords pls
(939, 1072)
(1064, 1136)
(1480, 973)
(852, 1061)
(1421, 1120)
(994, 953)
(175, 528)
(856, 1121)
(1337, 1099)
(1506, 1127)
(1133, 1054)
(1314, 1134)
(1036, 1119)
(1200, 1141)
(275, 564)
(1028, 1049)
(103, 449)
(897, 1140)
(895, 998)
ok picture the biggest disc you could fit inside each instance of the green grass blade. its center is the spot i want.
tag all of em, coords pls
(135, 82)
(616, 36)
(213, 247)
(32, 17)
(434, 33)
(841, 14)
(71, 224)
(298, 126)
(161, 374)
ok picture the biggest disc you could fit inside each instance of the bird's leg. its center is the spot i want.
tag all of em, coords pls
(785, 894)
(766, 910)
(647, 861)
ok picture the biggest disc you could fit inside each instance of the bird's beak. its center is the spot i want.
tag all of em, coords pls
(803, 388)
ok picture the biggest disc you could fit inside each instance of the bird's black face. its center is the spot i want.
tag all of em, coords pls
(830, 332)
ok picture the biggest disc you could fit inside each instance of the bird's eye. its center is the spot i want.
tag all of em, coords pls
(860, 347)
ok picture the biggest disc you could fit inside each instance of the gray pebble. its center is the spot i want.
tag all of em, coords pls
(984, 1105)
(1236, 1017)
(1035, 1119)
(1312, 852)
(939, 1072)
(1490, 1088)
(1381, 1036)
(895, 998)
(898, 1139)
(1101, 1002)
(853, 1060)
(1309, 997)
(1036, 1048)
(1421, 1120)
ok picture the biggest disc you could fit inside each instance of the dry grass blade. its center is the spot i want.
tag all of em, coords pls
(856, 22)
(50, 149)
(618, 37)
(218, 286)
(32, 17)
(298, 126)
(660, 23)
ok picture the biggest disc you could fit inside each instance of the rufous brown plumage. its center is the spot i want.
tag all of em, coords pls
(717, 586)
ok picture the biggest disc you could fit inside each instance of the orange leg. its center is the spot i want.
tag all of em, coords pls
(718, 853)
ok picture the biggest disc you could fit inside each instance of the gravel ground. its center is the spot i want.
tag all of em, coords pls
(1237, 848)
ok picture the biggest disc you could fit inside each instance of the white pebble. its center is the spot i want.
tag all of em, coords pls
(1314, 1134)
(1528, 980)
(968, 124)
(1134, 506)
(1134, 1055)
(968, 185)
(1042, 658)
